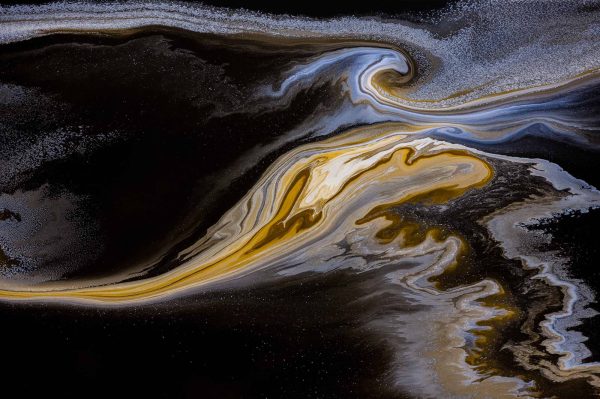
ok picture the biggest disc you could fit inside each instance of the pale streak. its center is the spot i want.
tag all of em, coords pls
(463, 65)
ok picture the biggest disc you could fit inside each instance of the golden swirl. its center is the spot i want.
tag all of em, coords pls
(301, 194)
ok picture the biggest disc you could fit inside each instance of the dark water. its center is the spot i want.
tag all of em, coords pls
(158, 185)
(231, 344)
(170, 171)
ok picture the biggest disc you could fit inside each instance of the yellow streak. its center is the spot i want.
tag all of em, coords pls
(305, 190)
(394, 92)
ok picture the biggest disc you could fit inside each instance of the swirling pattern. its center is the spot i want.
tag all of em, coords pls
(427, 173)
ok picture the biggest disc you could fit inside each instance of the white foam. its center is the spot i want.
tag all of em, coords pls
(499, 46)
